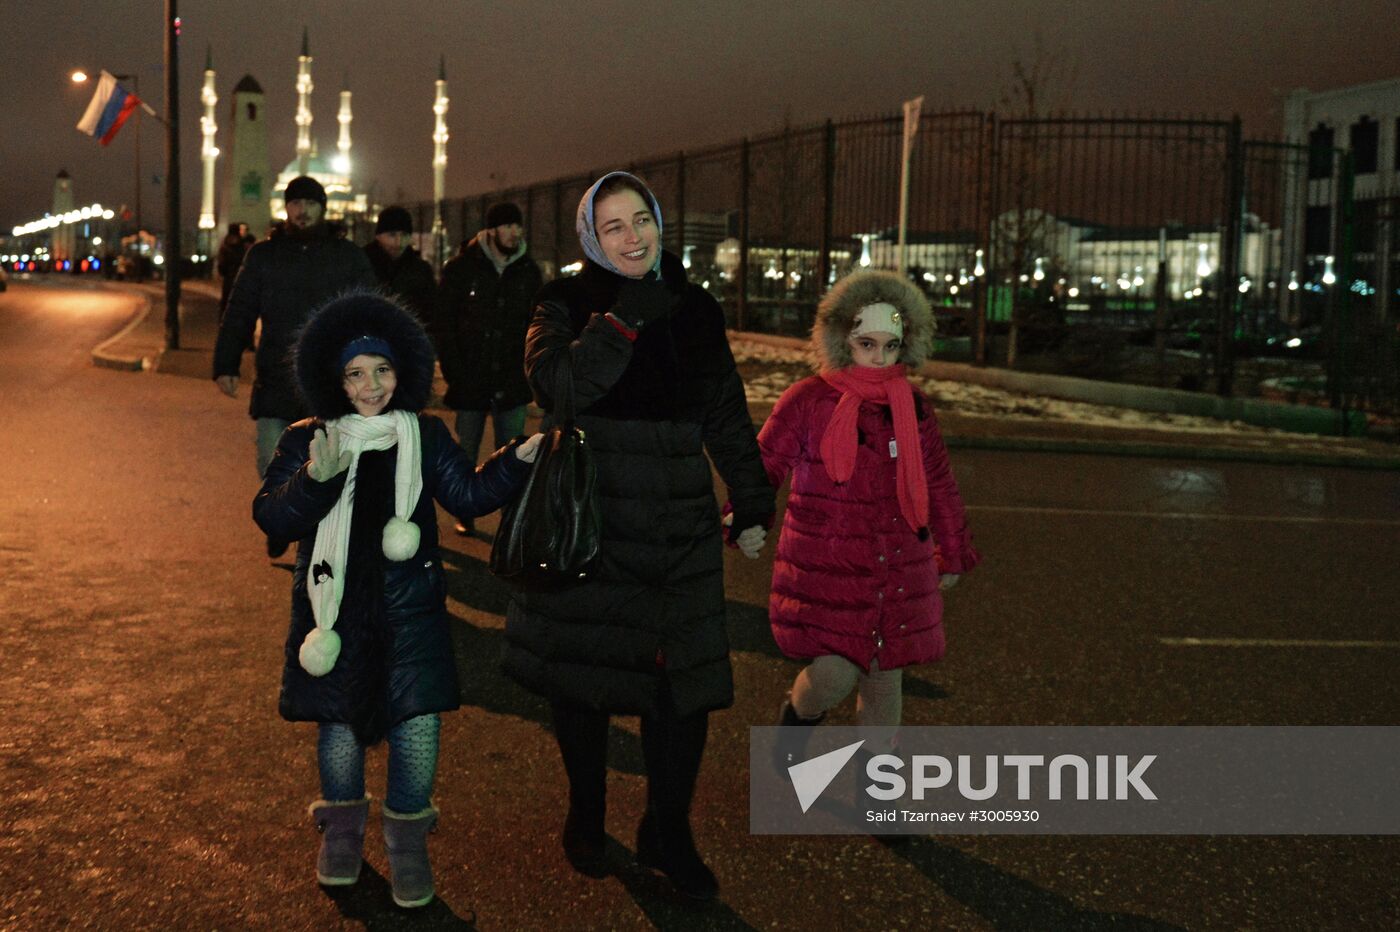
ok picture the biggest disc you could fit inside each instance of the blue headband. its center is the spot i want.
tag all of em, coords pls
(588, 237)
(366, 346)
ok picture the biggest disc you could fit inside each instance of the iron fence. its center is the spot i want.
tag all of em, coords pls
(1163, 251)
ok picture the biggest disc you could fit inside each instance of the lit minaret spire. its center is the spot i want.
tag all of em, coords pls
(439, 159)
(342, 160)
(208, 152)
(304, 105)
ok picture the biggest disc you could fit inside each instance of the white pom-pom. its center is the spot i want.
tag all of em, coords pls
(319, 651)
(400, 539)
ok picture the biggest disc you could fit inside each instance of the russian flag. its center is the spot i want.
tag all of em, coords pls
(109, 108)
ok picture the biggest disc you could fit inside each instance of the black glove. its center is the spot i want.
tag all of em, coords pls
(641, 302)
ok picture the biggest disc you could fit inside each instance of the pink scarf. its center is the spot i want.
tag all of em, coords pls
(889, 385)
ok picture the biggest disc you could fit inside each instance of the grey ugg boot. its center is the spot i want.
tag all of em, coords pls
(342, 828)
(406, 838)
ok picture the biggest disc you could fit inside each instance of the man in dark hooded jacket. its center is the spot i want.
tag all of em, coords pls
(402, 271)
(483, 309)
(303, 264)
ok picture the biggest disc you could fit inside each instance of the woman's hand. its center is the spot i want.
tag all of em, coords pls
(948, 580)
(530, 449)
(327, 459)
(643, 301)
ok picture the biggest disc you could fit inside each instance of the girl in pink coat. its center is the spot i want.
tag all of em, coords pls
(875, 526)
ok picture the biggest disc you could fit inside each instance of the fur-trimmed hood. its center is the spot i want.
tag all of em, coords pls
(837, 311)
(357, 314)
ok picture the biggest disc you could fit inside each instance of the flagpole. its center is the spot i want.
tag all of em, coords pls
(173, 246)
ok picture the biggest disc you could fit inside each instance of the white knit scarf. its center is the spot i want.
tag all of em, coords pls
(326, 581)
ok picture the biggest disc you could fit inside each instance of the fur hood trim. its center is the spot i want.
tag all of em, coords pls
(837, 311)
(356, 314)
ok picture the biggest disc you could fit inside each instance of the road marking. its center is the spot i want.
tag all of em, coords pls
(1271, 642)
(1185, 515)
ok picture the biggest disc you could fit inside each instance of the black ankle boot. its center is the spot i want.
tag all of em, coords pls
(583, 745)
(586, 841)
(671, 850)
(791, 745)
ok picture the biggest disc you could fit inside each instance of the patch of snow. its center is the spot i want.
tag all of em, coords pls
(791, 365)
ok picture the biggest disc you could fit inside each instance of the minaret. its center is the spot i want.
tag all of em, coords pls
(439, 161)
(304, 87)
(208, 152)
(247, 179)
(342, 160)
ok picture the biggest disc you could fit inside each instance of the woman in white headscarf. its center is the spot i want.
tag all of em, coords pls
(656, 389)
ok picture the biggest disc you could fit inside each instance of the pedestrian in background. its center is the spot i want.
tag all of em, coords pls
(369, 654)
(481, 315)
(400, 269)
(230, 259)
(303, 264)
(656, 389)
(874, 526)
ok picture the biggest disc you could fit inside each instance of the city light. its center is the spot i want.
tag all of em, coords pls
(1202, 261)
(79, 77)
(1329, 276)
(1293, 281)
(979, 269)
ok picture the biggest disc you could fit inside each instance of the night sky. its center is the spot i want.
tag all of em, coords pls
(541, 90)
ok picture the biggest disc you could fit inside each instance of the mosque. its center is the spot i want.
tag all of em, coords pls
(251, 194)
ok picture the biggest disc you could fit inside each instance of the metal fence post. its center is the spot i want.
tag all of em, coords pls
(1340, 389)
(987, 200)
(558, 220)
(1227, 287)
(828, 206)
(743, 282)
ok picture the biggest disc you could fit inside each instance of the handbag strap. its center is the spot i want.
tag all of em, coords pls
(565, 401)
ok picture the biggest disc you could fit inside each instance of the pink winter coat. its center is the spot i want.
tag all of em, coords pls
(851, 577)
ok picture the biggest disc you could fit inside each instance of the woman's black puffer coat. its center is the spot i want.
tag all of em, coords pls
(651, 410)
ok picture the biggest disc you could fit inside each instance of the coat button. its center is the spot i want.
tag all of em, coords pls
(879, 595)
(881, 558)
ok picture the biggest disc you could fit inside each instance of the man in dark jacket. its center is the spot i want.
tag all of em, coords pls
(482, 312)
(231, 253)
(401, 270)
(299, 267)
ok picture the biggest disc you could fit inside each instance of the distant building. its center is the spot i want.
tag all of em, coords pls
(62, 241)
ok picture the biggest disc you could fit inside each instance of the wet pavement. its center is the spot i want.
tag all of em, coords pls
(148, 782)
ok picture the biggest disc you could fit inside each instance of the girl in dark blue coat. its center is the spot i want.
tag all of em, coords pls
(369, 654)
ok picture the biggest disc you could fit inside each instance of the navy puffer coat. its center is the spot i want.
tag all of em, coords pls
(396, 659)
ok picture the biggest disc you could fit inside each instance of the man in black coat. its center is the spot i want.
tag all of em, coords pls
(303, 264)
(483, 309)
(231, 253)
(402, 271)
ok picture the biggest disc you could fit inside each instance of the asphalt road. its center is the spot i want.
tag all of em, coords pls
(147, 782)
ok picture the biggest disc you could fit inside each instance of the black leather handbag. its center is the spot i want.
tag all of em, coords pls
(550, 533)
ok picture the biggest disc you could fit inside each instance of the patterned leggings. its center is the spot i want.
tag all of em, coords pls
(828, 680)
(413, 752)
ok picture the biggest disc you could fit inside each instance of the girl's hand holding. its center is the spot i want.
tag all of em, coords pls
(751, 541)
(327, 459)
(948, 580)
(530, 449)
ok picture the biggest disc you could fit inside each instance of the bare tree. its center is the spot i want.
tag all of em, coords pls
(1040, 84)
